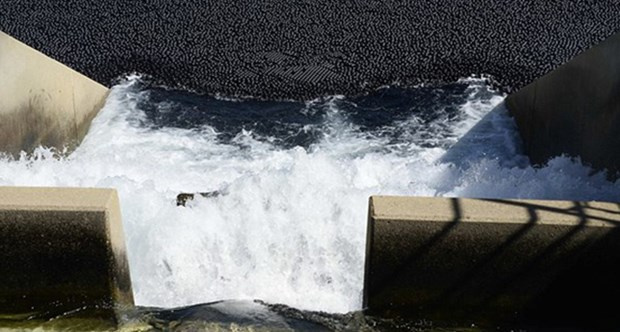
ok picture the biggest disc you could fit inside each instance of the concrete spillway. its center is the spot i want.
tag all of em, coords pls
(308, 48)
(299, 50)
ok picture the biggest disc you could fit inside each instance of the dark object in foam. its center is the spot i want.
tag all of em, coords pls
(183, 198)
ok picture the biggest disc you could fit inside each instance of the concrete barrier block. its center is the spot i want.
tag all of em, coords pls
(574, 109)
(493, 262)
(62, 250)
(42, 102)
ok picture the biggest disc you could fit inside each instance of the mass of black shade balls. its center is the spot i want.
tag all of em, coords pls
(297, 49)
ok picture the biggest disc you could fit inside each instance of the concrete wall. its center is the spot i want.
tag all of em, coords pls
(493, 263)
(42, 102)
(574, 109)
(62, 249)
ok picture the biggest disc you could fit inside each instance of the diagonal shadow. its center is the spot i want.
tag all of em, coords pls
(574, 211)
(567, 253)
(495, 136)
(590, 207)
(530, 266)
(380, 285)
(468, 277)
(548, 308)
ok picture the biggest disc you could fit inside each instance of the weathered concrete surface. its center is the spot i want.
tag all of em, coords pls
(494, 263)
(42, 102)
(62, 249)
(574, 109)
(304, 49)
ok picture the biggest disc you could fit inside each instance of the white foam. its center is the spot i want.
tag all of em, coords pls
(292, 227)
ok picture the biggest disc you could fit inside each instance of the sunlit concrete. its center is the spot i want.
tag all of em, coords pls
(62, 250)
(42, 102)
(493, 262)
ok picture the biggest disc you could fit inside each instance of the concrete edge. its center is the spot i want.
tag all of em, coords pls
(42, 101)
(574, 110)
(63, 247)
(551, 212)
(123, 292)
(517, 269)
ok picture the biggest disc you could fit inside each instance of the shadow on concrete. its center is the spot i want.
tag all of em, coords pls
(515, 274)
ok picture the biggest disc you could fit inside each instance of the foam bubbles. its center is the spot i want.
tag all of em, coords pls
(290, 227)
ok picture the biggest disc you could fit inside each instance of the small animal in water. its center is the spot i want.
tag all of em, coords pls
(183, 198)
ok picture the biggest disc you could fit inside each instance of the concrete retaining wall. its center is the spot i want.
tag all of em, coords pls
(42, 102)
(574, 109)
(62, 249)
(493, 262)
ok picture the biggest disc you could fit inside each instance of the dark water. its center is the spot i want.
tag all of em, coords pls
(287, 124)
(217, 316)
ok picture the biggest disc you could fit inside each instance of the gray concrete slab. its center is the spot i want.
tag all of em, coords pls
(62, 251)
(515, 263)
(574, 110)
(42, 102)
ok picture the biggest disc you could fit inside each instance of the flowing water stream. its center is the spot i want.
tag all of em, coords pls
(288, 225)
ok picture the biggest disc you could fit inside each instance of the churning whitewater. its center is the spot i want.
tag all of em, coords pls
(289, 225)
